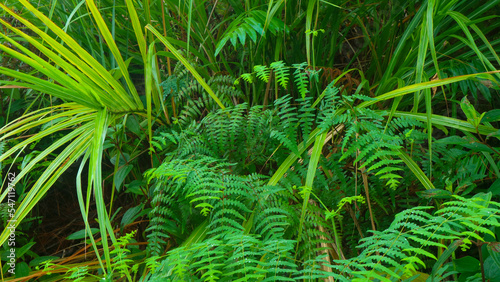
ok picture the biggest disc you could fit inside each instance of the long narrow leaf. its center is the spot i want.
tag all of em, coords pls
(421, 86)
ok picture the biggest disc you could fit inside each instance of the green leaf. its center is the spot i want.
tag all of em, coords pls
(37, 261)
(135, 187)
(82, 234)
(421, 86)
(121, 174)
(491, 270)
(191, 69)
(123, 158)
(467, 264)
(491, 116)
(495, 187)
(469, 111)
(133, 125)
(22, 269)
(467, 142)
(495, 134)
(494, 251)
(434, 194)
(131, 214)
(482, 199)
(449, 122)
(287, 163)
(416, 170)
(114, 48)
(311, 173)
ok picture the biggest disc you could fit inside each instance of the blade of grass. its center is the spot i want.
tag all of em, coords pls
(85, 207)
(136, 24)
(449, 122)
(311, 173)
(79, 57)
(421, 86)
(103, 28)
(416, 170)
(96, 170)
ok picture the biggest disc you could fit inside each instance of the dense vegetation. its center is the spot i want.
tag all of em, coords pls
(250, 140)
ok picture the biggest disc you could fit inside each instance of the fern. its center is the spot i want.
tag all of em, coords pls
(250, 225)
(247, 77)
(405, 244)
(181, 180)
(120, 262)
(196, 101)
(372, 147)
(262, 72)
(172, 85)
(306, 116)
(288, 119)
(281, 72)
(301, 79)
(250, 24)
(229, 253)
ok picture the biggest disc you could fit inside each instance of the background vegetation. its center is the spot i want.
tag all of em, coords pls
(251, 140)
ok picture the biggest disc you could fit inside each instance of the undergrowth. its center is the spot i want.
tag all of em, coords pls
(249, 229)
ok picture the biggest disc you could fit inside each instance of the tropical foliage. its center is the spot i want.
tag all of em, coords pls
(251, 140)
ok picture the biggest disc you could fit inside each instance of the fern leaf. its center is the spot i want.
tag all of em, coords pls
(262, 72)
(281, 72)
(301, 79)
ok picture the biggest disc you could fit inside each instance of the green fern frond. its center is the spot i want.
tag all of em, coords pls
(262, 72)
(301, 79)
(306, 116)
(405, 244)
(247, 77)
(250, 24)
(281, 73)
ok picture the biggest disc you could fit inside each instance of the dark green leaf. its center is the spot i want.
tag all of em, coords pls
(134, 187)
(491, 116)
(494, 251)
(121, 174)
(22, 269)
(82, 234)
(467, 264)
(133, 125)
(121, 161)
(37, 261)
(468, 110)
(491, 270)
(495, 134)
(434, 194)
(131, 214)
(467, 142)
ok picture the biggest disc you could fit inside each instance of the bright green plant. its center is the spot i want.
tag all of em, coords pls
(94, 99)
(191, 182)
(121, 267)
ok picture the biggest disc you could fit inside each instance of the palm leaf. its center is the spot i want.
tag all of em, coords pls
(96, 100)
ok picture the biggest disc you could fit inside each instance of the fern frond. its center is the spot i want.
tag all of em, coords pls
(250, 24)
(301, 79)
(306, 116)
(262, 72)
(288, 119)
(247, 77)
(281, 72)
